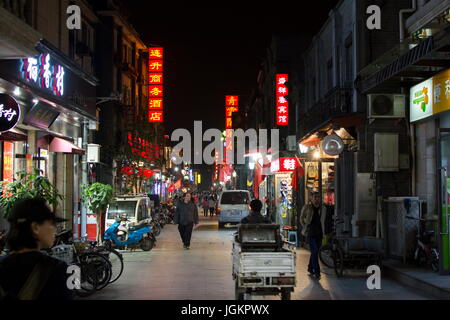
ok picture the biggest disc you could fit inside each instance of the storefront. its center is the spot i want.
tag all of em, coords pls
(53, 97)
(323, 156)
(430, 123)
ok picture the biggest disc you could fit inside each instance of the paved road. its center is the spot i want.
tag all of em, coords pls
(169, 272)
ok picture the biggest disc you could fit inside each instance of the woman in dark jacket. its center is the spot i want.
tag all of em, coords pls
(26, 273)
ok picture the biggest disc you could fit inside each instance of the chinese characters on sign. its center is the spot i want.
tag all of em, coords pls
(143, 148)
(9, 113)
(8, 163)
(441, 85)
(41, 71)
(430, 97)
(231, 106)
(156, 85)
(282, 104)
(284, 165)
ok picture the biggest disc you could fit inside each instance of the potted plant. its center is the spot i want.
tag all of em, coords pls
(27, 186)
(97, 197)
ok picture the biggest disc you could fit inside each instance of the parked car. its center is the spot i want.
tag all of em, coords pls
(233, 206)
(135, 207)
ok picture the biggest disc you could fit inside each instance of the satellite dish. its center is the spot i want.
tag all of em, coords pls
(333, 145)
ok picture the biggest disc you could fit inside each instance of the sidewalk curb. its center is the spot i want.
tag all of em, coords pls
(416, 283)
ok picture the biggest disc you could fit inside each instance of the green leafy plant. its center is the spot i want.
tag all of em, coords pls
(27, 186)
(97, 197)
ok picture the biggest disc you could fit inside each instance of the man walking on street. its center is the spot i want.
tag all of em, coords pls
(186, 216)
(312, 220)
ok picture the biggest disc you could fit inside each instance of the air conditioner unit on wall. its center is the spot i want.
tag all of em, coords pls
(386, 106)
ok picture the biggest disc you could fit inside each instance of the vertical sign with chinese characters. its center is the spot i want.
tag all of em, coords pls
(8, 164)
(282, 104)
(156, 85)
(231, 106)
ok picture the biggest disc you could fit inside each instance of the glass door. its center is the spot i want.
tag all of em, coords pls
(444, 196)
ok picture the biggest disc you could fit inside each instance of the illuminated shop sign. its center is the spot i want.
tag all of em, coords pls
(283, 165)
(41, 71)
(156, 85)
(9, 112)
(231, 106)
(282, 104)
(430, 97)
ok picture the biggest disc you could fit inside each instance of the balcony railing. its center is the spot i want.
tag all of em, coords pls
(19, 8)
(336, 103)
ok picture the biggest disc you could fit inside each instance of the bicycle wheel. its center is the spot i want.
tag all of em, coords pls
(116, 260)
(326, 255)
(88, 281)
(338, 258)
(100, 266)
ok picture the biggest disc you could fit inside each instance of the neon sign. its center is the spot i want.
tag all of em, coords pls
(142, 148)
(156, 85)
(9, 112)
(282, 103)
(42, 72)
(231, 106)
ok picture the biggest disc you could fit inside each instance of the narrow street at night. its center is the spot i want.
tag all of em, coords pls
(169, 272)
(216, 153)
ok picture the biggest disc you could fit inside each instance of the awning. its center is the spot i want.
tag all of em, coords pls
(348, 121)
(13, 135)
(64, 146)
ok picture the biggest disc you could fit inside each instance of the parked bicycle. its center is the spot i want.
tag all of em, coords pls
(96, 269)
(326, 252)
(425, 254)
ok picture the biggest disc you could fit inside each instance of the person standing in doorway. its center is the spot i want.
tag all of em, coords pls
(186, 217)
(312, 220)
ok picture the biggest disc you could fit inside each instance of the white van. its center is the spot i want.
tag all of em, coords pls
(136, 208)
(233, 206)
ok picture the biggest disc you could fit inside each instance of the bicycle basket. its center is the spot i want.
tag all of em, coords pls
(81, 247)
(63, 252)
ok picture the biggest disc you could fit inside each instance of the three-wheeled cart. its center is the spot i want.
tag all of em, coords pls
(263, 263)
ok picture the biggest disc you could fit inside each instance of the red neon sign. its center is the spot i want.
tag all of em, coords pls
(156, 116)
(157, 103)
(232, 101)
(156, 53)
(288, 164)
(156, 85)
(282, 104)
(142, 148)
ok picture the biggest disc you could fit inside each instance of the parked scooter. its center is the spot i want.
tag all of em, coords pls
(133, 237)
